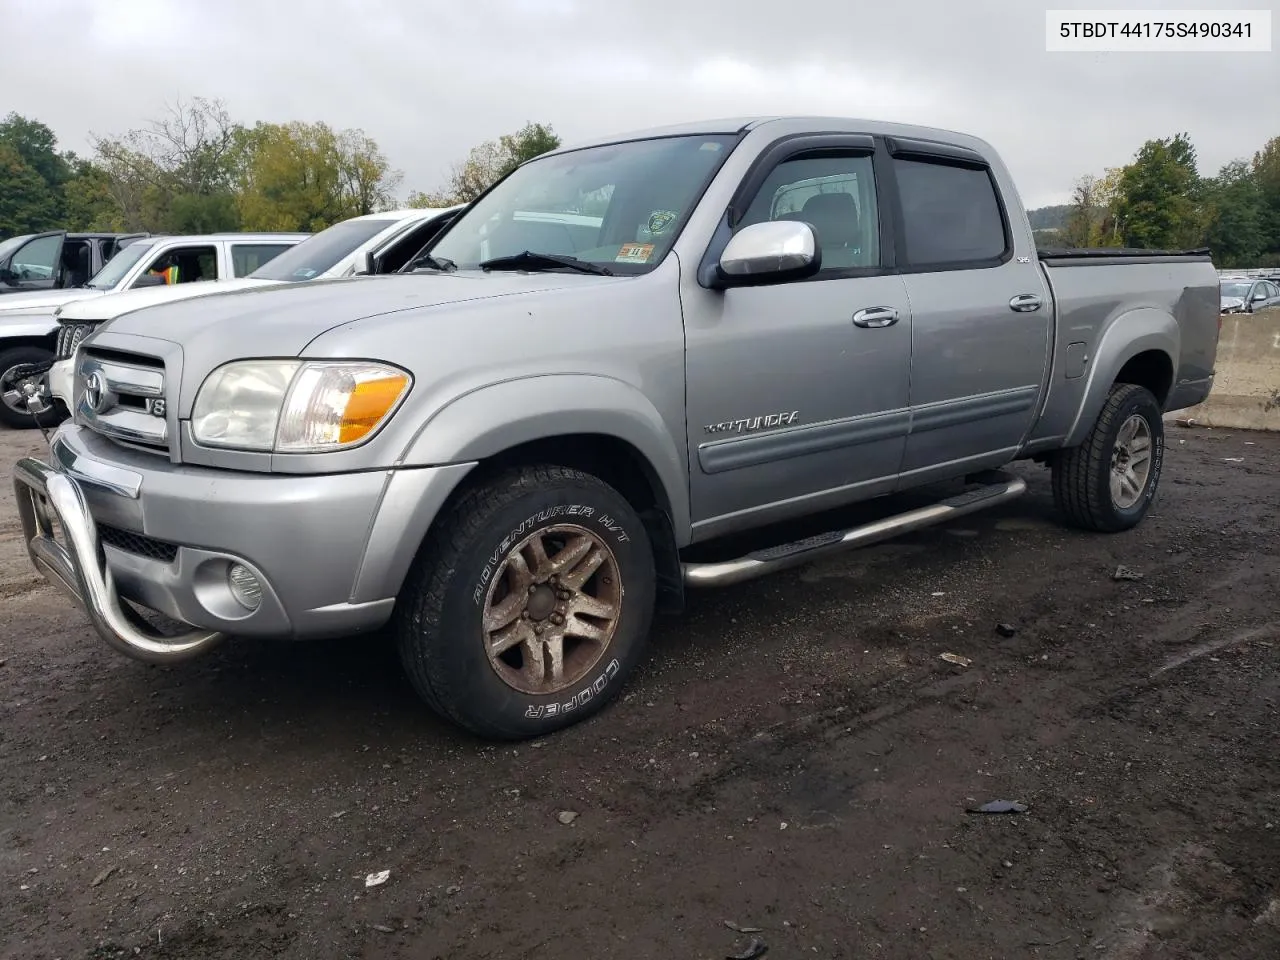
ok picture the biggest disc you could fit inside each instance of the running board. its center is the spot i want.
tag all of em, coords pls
(1000, 488)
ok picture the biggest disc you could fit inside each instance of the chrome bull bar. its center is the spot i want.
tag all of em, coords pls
(43, 494)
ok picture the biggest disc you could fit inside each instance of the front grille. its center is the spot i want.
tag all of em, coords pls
(137, 543)
(70, 333)
(122, 396)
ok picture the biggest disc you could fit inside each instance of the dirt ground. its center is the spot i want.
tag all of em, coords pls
(797, 757)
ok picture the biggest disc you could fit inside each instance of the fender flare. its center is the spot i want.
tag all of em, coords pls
(487, 420)
(1129, 334)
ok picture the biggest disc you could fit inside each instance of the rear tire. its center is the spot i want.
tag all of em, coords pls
(11, 390)
(529, 605)
(1107, 484)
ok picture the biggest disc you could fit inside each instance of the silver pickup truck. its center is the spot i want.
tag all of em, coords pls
(621, 360)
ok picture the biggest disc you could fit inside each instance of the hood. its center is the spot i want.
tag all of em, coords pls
(114, 305)
(1231, 303)
(281, 319)
(30, 301)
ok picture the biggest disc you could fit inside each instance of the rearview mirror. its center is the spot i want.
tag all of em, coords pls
(773, 252)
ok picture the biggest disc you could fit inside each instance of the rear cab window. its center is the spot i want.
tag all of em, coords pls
(952, 217)
(248, 257)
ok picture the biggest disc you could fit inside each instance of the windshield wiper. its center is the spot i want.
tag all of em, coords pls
(428, 262)
(528, 260)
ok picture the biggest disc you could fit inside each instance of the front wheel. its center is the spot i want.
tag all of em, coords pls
(529, 604)
(18, 388)
(1108, 483)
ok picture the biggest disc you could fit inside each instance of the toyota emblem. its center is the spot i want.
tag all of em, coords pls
(95, 392)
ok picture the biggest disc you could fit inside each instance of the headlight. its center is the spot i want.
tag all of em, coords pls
(295, 406)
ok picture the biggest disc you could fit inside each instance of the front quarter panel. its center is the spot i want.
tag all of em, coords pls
(486, 421)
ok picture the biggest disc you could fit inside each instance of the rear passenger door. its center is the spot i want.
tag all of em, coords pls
(981, 313)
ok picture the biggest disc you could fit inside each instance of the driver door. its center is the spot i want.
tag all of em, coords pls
(37, 264)
(798, 392)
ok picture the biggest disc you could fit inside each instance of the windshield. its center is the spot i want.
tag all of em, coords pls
(1235, 290)
(113, 270)
(315, 255)
(620, 205)
(13, 243)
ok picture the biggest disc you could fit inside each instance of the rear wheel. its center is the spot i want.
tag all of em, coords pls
(530, 603)
(18, 387)
(1108, 483)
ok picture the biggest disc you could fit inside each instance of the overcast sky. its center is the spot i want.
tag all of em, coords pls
(429, 79)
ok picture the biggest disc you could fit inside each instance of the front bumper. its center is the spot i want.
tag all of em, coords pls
(329, 551)
(61, 376)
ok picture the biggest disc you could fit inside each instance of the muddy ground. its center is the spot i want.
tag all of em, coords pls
(796, 757)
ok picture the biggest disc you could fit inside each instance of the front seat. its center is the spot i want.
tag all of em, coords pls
(834, 217)
(75, 265)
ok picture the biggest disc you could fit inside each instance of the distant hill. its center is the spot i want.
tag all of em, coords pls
(1049, 218)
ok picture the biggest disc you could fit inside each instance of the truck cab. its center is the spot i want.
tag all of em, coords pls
(57, 259)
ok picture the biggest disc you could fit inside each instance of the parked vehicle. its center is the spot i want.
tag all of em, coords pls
(28, 330)
(1247, 294)
(56, 259)
(550, 430)
(375, 243)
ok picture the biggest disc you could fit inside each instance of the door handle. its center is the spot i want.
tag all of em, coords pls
(1025, 303)
(876, 317)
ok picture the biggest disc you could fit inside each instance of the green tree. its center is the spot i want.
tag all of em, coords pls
(38, 203)
(1084, 215)
(1266, 174)
(306, 176)
(1159, 196)
(176, 173)
(489, 162)
(87, 198)
(1235, 233)
(27, 205)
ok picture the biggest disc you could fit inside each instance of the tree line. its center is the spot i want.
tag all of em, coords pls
(1160, 201)
(197, 170)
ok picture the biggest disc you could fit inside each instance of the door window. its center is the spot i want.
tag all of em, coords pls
(951, 215)
(833, 194)
(37, 260)
(185, 265)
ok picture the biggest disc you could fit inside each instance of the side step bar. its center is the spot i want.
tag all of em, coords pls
(996, 488)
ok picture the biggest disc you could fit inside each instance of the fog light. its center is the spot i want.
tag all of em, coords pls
(244, 586)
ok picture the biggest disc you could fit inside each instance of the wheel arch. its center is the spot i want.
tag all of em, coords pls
(585, 418)
(1142, 347)
(596, 424)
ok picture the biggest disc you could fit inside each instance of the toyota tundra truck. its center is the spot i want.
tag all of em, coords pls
(623, 360)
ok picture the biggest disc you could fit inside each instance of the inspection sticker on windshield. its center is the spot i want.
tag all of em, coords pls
(659, 220)
(634, 253)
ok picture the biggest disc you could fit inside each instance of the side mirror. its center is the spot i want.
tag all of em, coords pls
(773, 252)
(366, 266)
(1259, 297)
(149, 280)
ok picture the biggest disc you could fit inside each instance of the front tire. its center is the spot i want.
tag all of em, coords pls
(530, 603)
(14, 390)
(1107, 484)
